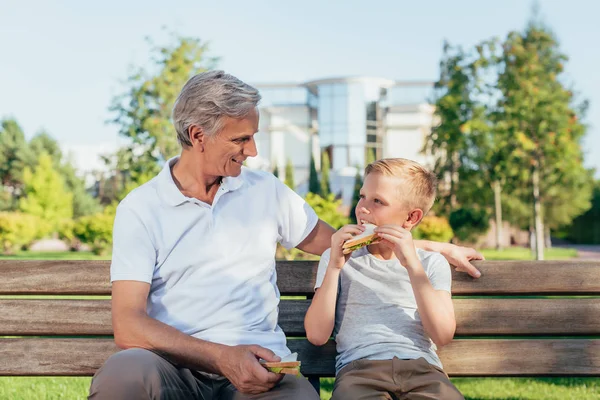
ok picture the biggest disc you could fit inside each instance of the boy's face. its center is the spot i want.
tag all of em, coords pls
(381, 202)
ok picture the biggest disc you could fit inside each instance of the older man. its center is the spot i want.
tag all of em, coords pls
(194, 296)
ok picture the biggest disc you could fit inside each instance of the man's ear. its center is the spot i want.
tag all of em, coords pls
(414, 217)
(197, 137)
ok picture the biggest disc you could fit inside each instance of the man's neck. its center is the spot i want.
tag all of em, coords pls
(192, 181)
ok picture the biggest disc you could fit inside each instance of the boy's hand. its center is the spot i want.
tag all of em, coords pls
(400, 241)
(337, 258)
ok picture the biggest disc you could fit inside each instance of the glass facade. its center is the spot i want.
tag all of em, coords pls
(345, 117)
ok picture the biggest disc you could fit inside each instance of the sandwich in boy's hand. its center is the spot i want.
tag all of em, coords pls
(287, 365)
(364, 239)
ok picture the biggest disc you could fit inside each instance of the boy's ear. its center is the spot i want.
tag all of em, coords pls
(414, 217)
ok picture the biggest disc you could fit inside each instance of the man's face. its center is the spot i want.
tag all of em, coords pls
(228, 149)
(381, 201)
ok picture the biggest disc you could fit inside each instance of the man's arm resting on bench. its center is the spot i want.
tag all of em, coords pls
(134, 328)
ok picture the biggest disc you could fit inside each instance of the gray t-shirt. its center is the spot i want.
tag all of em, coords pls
(376, 315)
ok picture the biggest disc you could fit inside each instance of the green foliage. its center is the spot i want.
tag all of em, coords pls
(325, 167)
(314, 185)
(14, 155)
(95, 230)
(45, 195)
(276, 171)
(289, 175)
(328, 209)
(18, 230)
(358, 182)
(434, 228)
(468, 223)
(586, 228)
(143, 111)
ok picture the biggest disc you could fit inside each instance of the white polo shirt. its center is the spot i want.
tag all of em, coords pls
(211, 268)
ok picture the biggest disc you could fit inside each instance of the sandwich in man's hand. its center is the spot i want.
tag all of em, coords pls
(282, 367)
(364, 239)
(288, 365)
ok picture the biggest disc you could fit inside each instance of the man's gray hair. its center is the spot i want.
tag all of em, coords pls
(207, 98)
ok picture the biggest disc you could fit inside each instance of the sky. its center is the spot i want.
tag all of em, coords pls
(61, 62)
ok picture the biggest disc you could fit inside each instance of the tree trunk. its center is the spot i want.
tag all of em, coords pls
(498, 209)
(548, 238)
(537, 215)
(454, 182)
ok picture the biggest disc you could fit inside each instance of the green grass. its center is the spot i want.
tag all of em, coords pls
(521, 253)
(53, 255)
(50, 388)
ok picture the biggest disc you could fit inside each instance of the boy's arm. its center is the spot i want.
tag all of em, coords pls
(458, 256)
(435, 306)
(320, 317)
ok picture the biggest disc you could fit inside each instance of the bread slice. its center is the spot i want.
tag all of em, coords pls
(364, 239)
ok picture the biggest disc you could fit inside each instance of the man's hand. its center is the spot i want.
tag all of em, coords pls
(337, 258)
(240, 365)
(460, 256)
(400, 241)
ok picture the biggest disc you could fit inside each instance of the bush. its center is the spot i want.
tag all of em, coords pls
(95, 230)
(18, 230)
(434, 228)
(328, 209)
(468, 223)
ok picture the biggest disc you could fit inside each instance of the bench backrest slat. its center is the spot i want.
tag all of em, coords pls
(477, 357)
(297, 277)
(475, 317)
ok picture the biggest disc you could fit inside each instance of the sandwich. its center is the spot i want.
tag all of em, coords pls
(364, 239)
(282, 367)
(288, 365)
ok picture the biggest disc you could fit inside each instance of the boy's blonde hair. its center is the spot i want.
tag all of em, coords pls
(418, 188)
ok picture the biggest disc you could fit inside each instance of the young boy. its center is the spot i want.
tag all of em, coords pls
(389, 302)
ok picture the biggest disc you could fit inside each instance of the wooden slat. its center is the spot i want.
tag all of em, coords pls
(475, 317)
(54, 277)
(480, 357)
(496, 317)
(297, 277)
(55, 317)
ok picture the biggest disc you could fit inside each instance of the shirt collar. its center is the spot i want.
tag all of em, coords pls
(170, 193)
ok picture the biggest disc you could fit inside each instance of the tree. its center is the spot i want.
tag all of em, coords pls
(83, 202)
(45, 195)
(586, 228)
(289, 175)
(539, 112)
(14, 156)
(325, 167)
(358, 182)
(454, 107)
(143, 111)
(313, 179)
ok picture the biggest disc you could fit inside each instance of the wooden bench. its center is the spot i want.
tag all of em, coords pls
(526, 334)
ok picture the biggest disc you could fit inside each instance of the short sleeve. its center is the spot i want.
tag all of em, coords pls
(439, 272)
(134, 255)
(322, 269)
(295, 219)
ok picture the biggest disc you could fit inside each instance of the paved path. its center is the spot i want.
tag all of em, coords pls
(585, 251)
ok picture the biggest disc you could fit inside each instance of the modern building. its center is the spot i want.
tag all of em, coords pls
(345, 117)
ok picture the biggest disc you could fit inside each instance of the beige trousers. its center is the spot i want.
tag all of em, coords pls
(141, 374)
